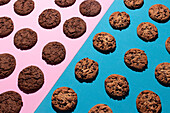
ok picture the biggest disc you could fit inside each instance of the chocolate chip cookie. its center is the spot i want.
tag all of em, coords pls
(7, 65)
(6, 26)
(116, 86)
(100, 108)
(25, 39)
(65, 3)
(136, 59)
(86, 70)
(104, 42)
(53, 53)
(3, 2)
(119, 20)
(167, 45)
(162, 73)
(147, 31)
(10, 102)
(49, 18)
(90, 8)
(159, 13)
(74, 27)
(23, 7)
(64, 99)
(148, 102)
(134, 4)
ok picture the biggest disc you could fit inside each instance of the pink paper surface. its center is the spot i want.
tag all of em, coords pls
(34, 55)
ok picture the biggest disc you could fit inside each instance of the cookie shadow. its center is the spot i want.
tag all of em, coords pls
(149, 40)
(165, 85)
(105, 52)
(138, 70)
(162, 22)
(119, 98)
(59, 111)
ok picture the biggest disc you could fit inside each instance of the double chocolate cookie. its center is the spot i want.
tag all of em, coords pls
(3, 2)
(134, 4)
(167, 45)
(65, 3)
(100, 108)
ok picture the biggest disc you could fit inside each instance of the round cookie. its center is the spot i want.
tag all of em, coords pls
(116, 86)
(162, 73)
(104, 42)
(65, 3)
(159, 13)
(147, 31)
(100, 108)
(49, 18)
(64, 99)
(23, 7)
(86, 70)
(6, 26)
(30, 79)
(7, 65)
(133, 4)
(119, 20)
(74, 27)
(53, 53)
(3, 2)
(25, 39)
(148, 102)
(10, 102)
(136, 59)
(90, 8)
(167, 44)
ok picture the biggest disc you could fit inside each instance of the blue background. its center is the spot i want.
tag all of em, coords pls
(90, 94)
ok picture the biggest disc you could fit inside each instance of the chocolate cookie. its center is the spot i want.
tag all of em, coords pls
(162, 73)
(53, 53)
(100, 108)
(148, 102)
(133, 4)
(7, 65)
(64, 99)
(167, 45)
(117, 86)
(65, 3)
(90, 8)
(159, 13)
(86, 70)
(23, 7)
(30, 79)
(6, 26)
(25, 39)
(3, 2)
(104, 42)
(119, 20)
(10, 102)
(49, 18)
(147, 31)
(74, 27)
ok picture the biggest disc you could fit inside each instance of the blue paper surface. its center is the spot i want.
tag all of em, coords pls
(90, 94)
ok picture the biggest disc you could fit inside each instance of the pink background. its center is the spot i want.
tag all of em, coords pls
(33, 56)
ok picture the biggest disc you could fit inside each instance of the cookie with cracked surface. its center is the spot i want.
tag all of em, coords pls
(116, 86)
(104, 42)
(23, 7)
(64, 3)
(162, 73)
(25, 39)
(74, 27)
(90, 8)
(10, 102)
(6, 26)
(100, 108)
(119, 20)
(7, 65)
(64, 99)
(86, 70)
(53, 53)
(134, 4)
(159, 13)
(3, 2)
(30, 79)
(167, 45)
(49, 18)
(148, 102)
(147, 31)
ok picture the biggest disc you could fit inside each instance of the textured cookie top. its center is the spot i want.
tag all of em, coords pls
(30, 79)
(133, 4)
(159, 13)
(3, 2)
(167, 44)
(64, 99)
(65, 3)
(10, 102)
(162, 73)
(148, 102)
(147, 31)
(90, 8)
(100, 108)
